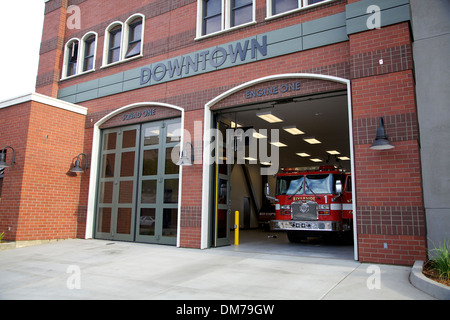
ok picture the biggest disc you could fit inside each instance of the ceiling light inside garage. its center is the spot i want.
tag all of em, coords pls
(278, 144)
(293, 130)
(269, 117)
(312, 140)
(303, 154)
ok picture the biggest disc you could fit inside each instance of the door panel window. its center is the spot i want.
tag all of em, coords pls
(149, 189)
(150, 163)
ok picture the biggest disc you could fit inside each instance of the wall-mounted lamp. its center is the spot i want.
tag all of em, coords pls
(381, 141)
(185, 160)
(3, 163)
(77, 166)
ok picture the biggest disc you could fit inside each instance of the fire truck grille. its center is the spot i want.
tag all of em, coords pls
(304, 210)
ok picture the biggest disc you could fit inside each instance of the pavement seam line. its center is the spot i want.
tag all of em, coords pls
(342, 279)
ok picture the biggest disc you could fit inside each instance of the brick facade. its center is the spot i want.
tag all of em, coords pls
(40, 197)
(379, 64)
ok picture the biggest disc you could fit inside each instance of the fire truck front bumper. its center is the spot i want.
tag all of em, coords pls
(290, 225)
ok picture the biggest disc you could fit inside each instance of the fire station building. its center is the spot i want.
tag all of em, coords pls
(125, 137)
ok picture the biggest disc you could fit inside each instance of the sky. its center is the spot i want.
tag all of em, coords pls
(21, 23)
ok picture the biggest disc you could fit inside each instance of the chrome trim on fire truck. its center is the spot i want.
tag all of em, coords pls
(305, 210)
(288, 225)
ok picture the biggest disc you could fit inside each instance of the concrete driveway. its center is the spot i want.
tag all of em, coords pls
(96, 269)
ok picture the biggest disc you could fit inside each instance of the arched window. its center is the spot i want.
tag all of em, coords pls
(135, 32)
(124, 41)
(115, 44)
(71, 52)
(89, 48)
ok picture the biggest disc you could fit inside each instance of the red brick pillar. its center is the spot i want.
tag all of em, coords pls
(390, 208)
(52, 48)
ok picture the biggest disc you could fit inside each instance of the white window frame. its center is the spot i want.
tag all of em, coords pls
(82, 52)
(106, 45)
(66, 59)
(80, 61)
(226, 19)
(126, 35)
(123, 41)
(302, 4)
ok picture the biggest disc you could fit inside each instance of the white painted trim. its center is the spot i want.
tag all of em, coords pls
(206, 192)
(226, 20)
(82, 53)
(37, 97)
(123, 41)
(106, 43)
(81, 56)
(127, 35)
(66, 58)
(302, 5)
(95, 154)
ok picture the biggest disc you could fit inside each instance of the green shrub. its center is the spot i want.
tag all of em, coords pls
(441, 260)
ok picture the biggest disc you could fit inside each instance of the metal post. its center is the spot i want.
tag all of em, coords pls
(236, 228)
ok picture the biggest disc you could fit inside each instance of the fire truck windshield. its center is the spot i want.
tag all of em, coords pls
(316, 184)
(319, 184)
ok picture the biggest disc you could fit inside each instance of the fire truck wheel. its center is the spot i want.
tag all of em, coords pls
(295, 236)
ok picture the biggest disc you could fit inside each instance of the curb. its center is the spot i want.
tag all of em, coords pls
(421, 282)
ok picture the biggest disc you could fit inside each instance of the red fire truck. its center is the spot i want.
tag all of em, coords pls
(312, 202)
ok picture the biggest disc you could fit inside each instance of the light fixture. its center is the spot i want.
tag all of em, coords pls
(303, 154)
(235, 125)
(269, 117)
(381, 140)
(312, 140)
(185, 160)
(344, 158)
(293, 130)
(77, 166)
(258, 135)
(278, 144)
(333, 152)
(3, 163)
(316, 160)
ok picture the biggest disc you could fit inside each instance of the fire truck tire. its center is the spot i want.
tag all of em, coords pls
(295, 236)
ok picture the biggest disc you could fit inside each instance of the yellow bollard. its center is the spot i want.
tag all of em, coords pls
(236, 228)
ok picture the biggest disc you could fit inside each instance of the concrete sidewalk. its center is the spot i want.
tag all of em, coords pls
(96, 269)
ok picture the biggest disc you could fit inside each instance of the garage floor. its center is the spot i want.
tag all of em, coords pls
(260, 241)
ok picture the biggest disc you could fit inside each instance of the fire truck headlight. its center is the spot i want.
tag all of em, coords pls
(285, 207)
(324, 207)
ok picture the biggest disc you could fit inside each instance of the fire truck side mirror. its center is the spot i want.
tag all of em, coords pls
(338, 187)
(268, 193)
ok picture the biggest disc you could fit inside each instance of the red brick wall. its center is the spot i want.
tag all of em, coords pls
(14, 130)
(52, 48)
(390, 210)
(40, 199)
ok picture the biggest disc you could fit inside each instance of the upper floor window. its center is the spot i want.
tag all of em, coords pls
(275, 7)
(79, 55)
(89, 48)
(124, 40)
(220, 15)
(72, 57)
(134, 38)
(115, 44)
